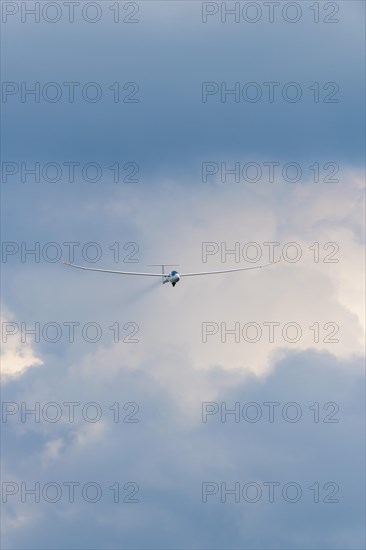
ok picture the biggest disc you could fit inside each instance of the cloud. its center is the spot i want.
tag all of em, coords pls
(52, 449)
(16, 356)
(313, 303)
(322, 291)
(164, 377)
(169, 459)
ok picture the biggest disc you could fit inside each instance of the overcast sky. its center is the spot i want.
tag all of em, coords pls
(229, 411)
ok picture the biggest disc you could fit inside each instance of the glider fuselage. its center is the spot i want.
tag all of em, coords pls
(173, 278)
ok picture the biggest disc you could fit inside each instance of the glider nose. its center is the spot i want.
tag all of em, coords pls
(174, 277)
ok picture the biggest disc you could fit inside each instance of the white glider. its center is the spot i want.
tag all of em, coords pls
(173, 277)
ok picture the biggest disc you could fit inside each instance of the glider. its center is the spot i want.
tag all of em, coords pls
(173, 277)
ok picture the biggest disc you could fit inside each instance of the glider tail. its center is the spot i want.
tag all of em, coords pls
(163, 266)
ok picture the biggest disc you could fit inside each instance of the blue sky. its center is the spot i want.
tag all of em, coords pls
(168, 215)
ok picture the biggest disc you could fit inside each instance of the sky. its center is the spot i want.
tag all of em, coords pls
(228, 411)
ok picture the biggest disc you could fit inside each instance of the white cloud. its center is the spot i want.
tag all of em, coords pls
(16, 356)
(52, 450)
(325, 296)
(320, 294)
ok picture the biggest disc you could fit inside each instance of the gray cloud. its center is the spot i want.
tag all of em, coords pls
(170, 459)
